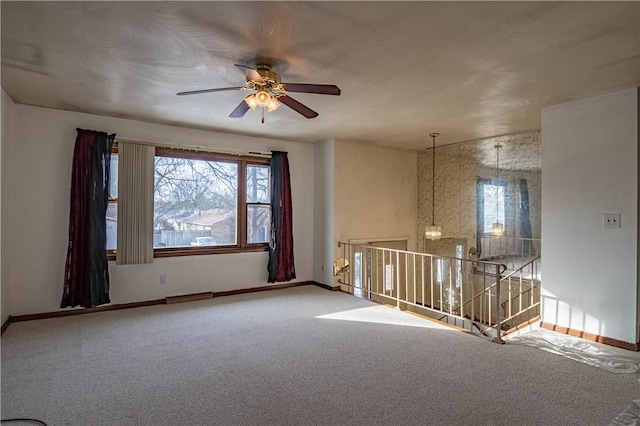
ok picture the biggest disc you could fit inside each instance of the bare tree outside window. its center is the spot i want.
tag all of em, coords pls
(194, 198)
(258, 207)
(494, 203)
(204, 203)
(112, 206)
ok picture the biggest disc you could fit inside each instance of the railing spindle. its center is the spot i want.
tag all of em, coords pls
(397, 283)
(450, 296)
(431, 274)
(415, 290)
(422, 272)
(499, 319)
(473, 299)
(440, 282)
(462, 279)
(519, 297)
(405, 258)
(463, 272)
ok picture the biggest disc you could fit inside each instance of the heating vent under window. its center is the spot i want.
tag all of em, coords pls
(189, 297)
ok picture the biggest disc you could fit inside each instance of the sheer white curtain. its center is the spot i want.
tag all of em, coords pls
(135, 203)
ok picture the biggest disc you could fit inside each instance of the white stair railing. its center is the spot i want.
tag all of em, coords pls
(522, 293)
(513, 252)
(445, 288)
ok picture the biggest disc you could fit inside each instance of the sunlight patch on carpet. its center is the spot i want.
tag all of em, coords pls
(383, 315)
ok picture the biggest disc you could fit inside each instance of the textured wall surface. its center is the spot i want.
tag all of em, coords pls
(38, 206)
(375, 193)
(6, 136)
(457, 170)
(590, 272)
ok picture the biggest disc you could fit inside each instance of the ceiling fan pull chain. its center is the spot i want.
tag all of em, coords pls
(262, 115)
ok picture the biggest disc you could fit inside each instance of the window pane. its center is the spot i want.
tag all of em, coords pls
(112, 225)
(258, 224)
(195, 202)
(258, 184)
(357, 270)
(493, 205)
(112, 206)
(113, 177)
(388, 277)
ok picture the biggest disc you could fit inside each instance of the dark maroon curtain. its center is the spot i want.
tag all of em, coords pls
(281, 263)
(86, 275)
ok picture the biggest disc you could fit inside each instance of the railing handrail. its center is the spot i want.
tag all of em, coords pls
(515, 271)
(444, 302)
(424, 254)
(507, 248)
(509, 275)
(447, 285)
(508, 237)
(535, 305)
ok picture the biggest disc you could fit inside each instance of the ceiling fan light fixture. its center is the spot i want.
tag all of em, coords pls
(273, 105)
(251, 101)
(263, 98)
(270, 92)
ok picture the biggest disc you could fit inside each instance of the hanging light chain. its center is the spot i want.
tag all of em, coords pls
(497, 228)
(498, 146)
(433, 178)
(433, 232)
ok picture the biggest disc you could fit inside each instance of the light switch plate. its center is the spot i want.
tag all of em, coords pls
(611, 220)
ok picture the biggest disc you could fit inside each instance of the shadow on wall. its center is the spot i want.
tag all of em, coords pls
(556, 312)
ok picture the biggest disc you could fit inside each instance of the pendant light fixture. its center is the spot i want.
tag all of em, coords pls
(497, 228)
(433, 232)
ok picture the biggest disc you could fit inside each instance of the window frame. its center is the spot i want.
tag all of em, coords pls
(503, 185)
(255, 203)
(111, 253)
(241, 245)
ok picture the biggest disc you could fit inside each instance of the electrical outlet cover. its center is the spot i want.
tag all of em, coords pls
(611, 220)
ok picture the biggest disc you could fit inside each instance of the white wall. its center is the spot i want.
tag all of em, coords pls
(375, 194)
(5, 137)
(590, 167)
(323, 213)
(42, 152)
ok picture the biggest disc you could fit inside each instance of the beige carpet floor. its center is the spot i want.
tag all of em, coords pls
(298, 356)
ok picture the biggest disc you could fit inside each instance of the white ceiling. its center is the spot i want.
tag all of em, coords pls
(464, 69)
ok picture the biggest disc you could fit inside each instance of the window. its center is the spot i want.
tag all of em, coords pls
(388, 277)
(357, 274)
(112, 206)
(493, 204)
(458, 262)
(258, 207)
(204, 203)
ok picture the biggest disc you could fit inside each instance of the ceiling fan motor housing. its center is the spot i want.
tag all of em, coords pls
(271, 77)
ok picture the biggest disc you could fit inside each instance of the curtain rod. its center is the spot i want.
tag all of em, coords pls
(202, 148)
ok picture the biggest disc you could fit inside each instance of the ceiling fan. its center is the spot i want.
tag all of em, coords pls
(270, 92)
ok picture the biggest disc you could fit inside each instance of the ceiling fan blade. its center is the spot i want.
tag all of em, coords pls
(321, 89)
(297, 106)
(240, 110)
(250, 73)
(197, 92)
